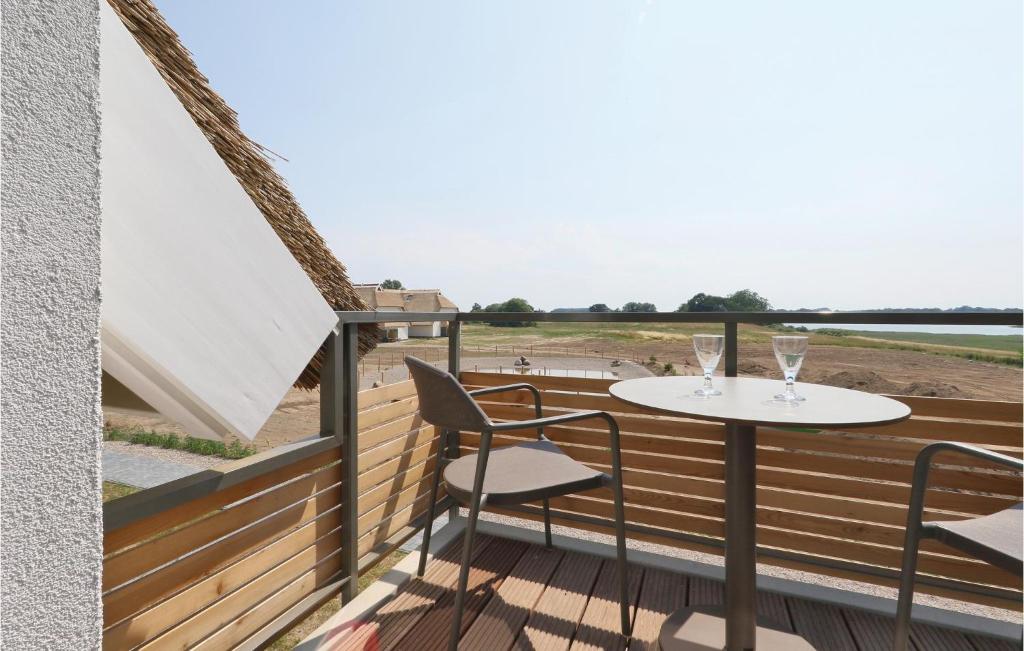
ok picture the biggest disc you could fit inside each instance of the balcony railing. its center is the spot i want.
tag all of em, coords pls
(233, 556)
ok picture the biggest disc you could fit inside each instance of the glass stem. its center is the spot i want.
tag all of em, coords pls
(707, 378)
(790, 382)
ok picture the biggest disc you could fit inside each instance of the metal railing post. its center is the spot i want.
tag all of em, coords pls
(731, 348)
(348, 425)
(454, 366)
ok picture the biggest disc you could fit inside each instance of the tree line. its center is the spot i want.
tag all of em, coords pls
(744, 300)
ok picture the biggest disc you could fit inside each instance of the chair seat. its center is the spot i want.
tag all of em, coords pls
(996, 538)
(522, 473)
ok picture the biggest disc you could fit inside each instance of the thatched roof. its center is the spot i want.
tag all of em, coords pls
(248, 161)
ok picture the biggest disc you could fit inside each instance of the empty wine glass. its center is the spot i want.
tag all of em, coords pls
(709, 350)
(789, 351)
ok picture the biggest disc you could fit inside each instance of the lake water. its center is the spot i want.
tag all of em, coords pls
(934, 329)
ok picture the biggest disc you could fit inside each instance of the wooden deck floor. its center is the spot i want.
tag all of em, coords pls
(524, 596)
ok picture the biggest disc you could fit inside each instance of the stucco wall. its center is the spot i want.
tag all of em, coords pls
(50, 287)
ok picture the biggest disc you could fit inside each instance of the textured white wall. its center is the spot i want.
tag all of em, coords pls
(50, 287)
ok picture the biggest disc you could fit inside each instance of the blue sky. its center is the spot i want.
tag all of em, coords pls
(851, 155)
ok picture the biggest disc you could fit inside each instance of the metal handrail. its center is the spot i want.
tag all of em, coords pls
(844, 318)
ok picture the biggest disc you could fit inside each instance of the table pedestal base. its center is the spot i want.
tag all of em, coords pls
(703, 629)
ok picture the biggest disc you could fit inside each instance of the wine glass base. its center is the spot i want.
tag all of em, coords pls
(788, 399)
(707, 393)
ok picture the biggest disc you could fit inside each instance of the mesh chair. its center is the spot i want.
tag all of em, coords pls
(995, 539)
(514, 474)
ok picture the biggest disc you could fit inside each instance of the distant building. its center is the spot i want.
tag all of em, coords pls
(408, 300)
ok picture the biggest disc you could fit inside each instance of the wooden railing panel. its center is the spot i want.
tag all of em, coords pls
(149, 555)
(192, 509)
(149, 623)
(842, 491)
(211, 571)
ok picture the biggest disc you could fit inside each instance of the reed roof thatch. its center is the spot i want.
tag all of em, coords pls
(248, 161)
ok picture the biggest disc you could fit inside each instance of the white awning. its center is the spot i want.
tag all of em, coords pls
(206, 314)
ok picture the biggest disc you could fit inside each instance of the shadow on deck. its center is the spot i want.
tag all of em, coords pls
(523, 596)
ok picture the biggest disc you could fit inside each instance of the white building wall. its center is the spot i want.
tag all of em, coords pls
(50, 283)
(432, 329)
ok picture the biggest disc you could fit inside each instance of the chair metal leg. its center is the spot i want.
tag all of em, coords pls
(476, 502)
(547, 523)
(905, 602)
(438, 468)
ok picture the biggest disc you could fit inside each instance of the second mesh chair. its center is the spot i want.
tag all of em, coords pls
(514, 474)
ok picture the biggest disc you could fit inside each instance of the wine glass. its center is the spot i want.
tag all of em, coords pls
(789, 351)
(709, 350)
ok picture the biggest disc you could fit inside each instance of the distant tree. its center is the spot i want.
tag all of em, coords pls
(705, 303)
(747, 300)
(476, 308)
(634, 306)
(392, 283)
(744, 300)
(600, 307)
(511, 305)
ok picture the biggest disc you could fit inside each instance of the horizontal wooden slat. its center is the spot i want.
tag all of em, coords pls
(994, 435)
(160, 617)
(386, 393)
(398, 483)
(992, 410)
(395, 447)
(375, 436)
(382, 414)
(390, 507)
(379, 534)
(187, 570)
(385, 471)
(244, 625)
(150, 526)
(805, 481)
(147, 556)
(542, 382)
(227, 609)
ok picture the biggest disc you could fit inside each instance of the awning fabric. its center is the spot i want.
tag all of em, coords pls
(206, 314)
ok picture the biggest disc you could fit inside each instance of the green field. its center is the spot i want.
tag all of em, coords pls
(1006, 343)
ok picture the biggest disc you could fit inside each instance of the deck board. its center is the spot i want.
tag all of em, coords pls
(661, 593)
(932, 637)
(526, 597)
(503, 617)
(821, 624)
(400, 614)
(872, 632)
(552, 625)
(486, 575)
(601, 625)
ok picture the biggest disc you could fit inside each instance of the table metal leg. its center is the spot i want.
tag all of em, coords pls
(735, 628)
(740, 552)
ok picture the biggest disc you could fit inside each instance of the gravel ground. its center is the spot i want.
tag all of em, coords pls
(197, 461)
(767, 570)
(581, 367)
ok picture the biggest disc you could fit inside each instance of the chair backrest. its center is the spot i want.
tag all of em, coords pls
(443, 401)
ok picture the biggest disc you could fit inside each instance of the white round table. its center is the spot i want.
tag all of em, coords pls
(744, 404)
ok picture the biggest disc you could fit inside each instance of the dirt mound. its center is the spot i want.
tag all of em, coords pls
(753, 369)
(932, 390)
(868, 381)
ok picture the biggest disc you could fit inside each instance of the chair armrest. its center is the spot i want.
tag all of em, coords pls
(521, 386)
(929, 451)
(552, 420)
(923, 464)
